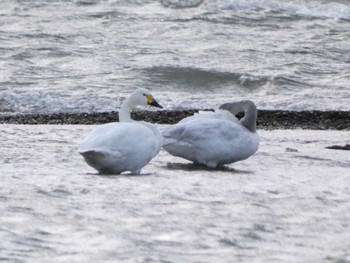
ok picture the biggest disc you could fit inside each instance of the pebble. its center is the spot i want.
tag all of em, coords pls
(267, 119)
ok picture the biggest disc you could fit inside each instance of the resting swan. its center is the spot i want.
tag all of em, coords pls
(122, 146)
(215, 138)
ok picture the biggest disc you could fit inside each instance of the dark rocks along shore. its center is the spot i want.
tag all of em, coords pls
(267, 119)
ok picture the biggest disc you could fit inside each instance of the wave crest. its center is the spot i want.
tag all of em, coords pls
(178, 4)
(204, 78)
(39, 102)
(313, 9)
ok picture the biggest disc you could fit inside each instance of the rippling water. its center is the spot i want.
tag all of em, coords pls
(287, 203)
(83, 55)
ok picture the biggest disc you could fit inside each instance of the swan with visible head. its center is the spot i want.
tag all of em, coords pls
(215, 138)
(122, 146)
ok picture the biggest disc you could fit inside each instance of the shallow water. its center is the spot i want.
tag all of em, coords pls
(87, 56)
(287, 203)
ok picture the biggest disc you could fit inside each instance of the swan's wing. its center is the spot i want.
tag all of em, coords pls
(111, 136)
(126, 139)
(196, 130)
(101, 157)
(95, 137)
(179, 141)
(204, 134)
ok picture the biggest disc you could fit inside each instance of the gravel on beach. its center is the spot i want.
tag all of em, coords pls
(267, 119)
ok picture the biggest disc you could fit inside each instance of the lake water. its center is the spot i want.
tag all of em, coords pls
(87, 56)
(289, 202)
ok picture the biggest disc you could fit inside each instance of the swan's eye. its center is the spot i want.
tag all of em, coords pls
(144, 94)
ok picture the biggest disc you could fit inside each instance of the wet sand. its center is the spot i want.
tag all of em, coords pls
(267, 119)
(288, 203)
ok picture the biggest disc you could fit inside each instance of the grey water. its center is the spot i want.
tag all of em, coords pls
(87, 56)
(289, 202)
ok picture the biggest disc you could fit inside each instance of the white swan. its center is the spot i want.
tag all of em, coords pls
(127, 145)
(215, 138)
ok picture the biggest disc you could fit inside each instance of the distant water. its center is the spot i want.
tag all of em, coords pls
(88, 55)
(289, 202)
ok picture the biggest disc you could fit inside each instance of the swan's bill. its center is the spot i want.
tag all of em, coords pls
(151, 101)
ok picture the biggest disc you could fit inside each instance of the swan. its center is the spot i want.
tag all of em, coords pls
(215, 138)
(127, 145)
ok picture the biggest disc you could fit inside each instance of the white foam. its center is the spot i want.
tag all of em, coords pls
(41, 102)
(303, 8)
(46, 102)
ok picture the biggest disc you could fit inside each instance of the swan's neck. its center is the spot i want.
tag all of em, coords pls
(250, 115)
(125, 111)
(249, 109)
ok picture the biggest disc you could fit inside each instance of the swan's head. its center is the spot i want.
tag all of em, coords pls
(249, 109)
(143, 97)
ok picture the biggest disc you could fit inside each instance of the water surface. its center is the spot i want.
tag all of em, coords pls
(87, 56)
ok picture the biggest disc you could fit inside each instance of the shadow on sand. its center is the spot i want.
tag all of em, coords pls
(202, 167)
(124, 174)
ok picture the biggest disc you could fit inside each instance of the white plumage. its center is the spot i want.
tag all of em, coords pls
(215, 138)
(122, 146)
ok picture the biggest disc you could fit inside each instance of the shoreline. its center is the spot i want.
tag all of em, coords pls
(267, 119)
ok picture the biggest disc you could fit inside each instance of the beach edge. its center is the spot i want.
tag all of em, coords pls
(267, 119)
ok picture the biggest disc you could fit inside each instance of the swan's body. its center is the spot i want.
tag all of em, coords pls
(122, 146)
(215, 138)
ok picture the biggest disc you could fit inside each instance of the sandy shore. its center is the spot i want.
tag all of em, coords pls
(289, 202)
(314, 120)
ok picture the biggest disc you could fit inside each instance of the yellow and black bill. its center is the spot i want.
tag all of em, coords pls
(151, 101)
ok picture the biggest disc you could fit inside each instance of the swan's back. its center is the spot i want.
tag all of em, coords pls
(217, 114)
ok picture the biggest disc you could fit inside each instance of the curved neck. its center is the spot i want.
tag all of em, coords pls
(125, 111)
(249, 109)
(250, 115)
